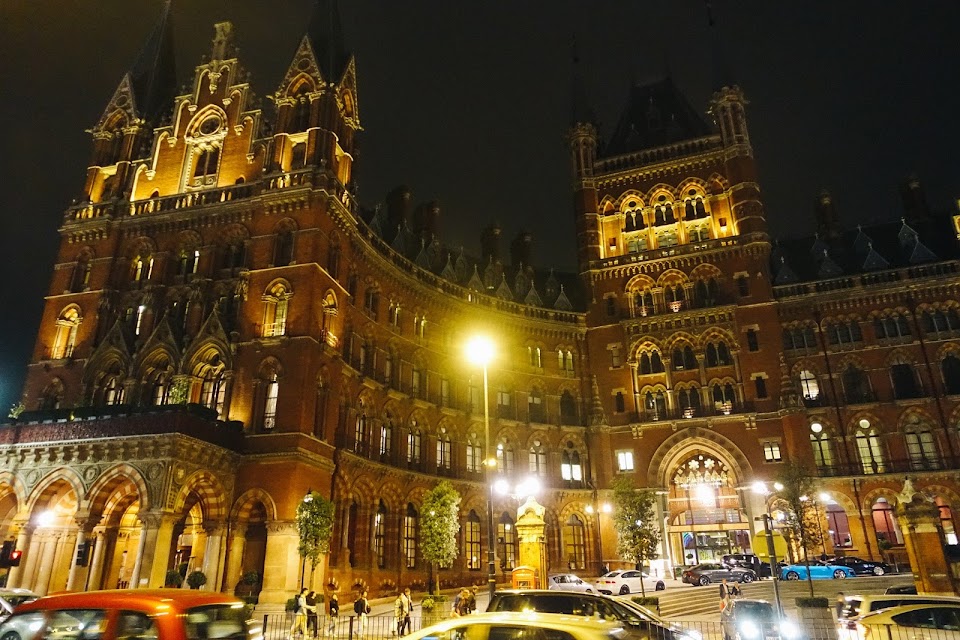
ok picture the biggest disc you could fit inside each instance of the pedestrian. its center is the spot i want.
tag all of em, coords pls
(311, 601)
(299, 614)
(460, 603)
(724, 594)
(334, 613)
(361, 607)
(401, 609)
(841, 603)
(472, 600)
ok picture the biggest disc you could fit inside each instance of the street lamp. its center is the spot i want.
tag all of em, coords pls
(761, 488)
(599, 509)
(480, 352)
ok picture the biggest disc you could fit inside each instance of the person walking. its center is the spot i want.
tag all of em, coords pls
(401, 609)
(334, 614)
(312, 613)
(460, 603)
(299, 614)
(472, 600)
(724, 594)
(361, 607)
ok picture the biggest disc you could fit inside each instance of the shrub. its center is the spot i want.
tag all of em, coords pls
(197, 579)
(250, 577)
(813, 603)
(173, 579)
(646, 601)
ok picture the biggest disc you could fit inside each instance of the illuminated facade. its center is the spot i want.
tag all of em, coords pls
(227, 328)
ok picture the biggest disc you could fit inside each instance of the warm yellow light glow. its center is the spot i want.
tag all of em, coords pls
(45, 518)
(778, 486)
(607, 508)
(825, 497)
(480, 350)
(589, 508)
(501, 486)
(760, 487)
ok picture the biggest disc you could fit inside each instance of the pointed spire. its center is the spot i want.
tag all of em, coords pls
(154, 74)
(597, 417)
(789, 398)
(326, 36)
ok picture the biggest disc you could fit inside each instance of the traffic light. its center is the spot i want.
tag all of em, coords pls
(83, 554)
(9, 555)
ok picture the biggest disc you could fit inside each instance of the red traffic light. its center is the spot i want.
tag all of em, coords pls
(15, 558)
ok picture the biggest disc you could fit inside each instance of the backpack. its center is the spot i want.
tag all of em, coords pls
(296, 604)
(358, 607)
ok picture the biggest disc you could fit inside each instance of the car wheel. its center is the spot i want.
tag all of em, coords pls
(704, 581)
(791, 575)
(10, 635)
(746, 578)
(660, 586)
(878, 571)
(624, 590)
(839, 574)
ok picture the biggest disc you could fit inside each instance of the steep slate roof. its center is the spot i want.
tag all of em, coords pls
(154, 74)
(325, 32)
(656, 114)
(885, 245)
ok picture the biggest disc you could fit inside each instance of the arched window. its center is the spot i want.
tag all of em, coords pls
(333, 261)
(568, 408)
(411, 525)
(52, 395)
(724, 398)
(504, 404)
(536, 412)
(921, 447)
(471, 541)
(656, 362)
(809, 386)
(573, 535)
(538, 460)
(571, 469)
(283, 248)
(271, 393)
(188, 263)
(361, 434)
(711, 355)
(157, 384)
(389, 376)
(414, 444)
(275, 302)
(946, 520)
(81, 274)
(689, 400)
(723, 354)
(507, 542)
(870, 448)
(206, 165)
(417, 388)
(885, 523)
(856, 387)
(66, 336)
(444, 452)
(950, 368)
(904, 381)
(655, 405)
(505, 459)
(112, 389)
(474, 455)
(536, 358)
(822, 446)
(386, 438)
(379, 535)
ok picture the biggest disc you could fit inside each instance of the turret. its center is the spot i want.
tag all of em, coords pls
(828, 223)
(914, 200)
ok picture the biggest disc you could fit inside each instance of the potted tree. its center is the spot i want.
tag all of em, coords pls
(173, 579)
(196, 579)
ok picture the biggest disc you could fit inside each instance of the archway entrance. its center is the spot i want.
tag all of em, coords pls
(706, 515)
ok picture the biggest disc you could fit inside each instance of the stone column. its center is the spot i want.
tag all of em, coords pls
(919, 519)
(30, 561)
(47, 555)
(24, 538)
(96, 564)
(636, 390)
(138, 561)
(531, 536)
(81, 540)
(211, 553)
(236, 546)
(157, 539)
(281, 567)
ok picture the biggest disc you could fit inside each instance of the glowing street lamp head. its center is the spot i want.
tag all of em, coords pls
(480, 350)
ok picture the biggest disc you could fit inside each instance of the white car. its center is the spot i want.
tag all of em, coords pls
(567, 582)
(527, 625)
(917, 622)
(622, 582)
(10, 598)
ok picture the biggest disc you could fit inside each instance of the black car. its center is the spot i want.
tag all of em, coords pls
(707, 572)
(638, 625)
(862, 567)
(747, 561)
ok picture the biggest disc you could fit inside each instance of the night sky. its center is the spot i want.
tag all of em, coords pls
(468, 103)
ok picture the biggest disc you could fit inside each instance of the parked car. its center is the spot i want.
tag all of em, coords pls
(747, 561)
(857, 605)
(568, 582)
(646, 614)
(902, 589)
(862, 567)
(916, 622)
(590, 605)
(11, 598)
(745, 619)
(629, 581)
(704, 574)
(516, 626)
(818, 571)
(155, 614)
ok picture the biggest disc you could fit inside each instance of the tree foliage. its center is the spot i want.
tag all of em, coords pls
(635, 519)
(440, 524)
(315, 527)
(796, 497)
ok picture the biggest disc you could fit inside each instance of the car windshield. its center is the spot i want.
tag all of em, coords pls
(611, 574)
(753, 610)
(214, 622)
(16, 600)
(559, 602)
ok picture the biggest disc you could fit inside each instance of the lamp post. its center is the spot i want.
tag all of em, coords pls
(480, 352)
(599, 509)
(303, 559)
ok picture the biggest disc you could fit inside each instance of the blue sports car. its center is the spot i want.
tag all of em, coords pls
(818, 571)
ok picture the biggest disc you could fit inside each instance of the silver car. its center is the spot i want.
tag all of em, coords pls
(10, 598)
(568, 582)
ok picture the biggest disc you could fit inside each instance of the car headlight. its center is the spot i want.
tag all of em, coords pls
(749, 629)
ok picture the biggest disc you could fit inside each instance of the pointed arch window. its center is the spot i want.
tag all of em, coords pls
(575, 542)
(538, 460)
(411, 525)
(536, 412)
(568, 408)
(937, 322)
(474, 455)
(66, 337)
(870, 448)
(822, 447)
(950, 369)
(275, 304)
(507, 542)
(52, 395)
(414, 444)
(283, 248)
(417, 388)
(471, 541)
(655, 405)
(81, 274)
(724, 397)
(571, 469)
(904, 380)
(922, 448)
(206, 164)
(386, 438)
(689, 400)
(113, 391)
(891, 327)
(272, 393)
(444, 452)
(361, 434)
(380, 535)
(142, 268)
(809, 386)
(505, 458)
(856, 387)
